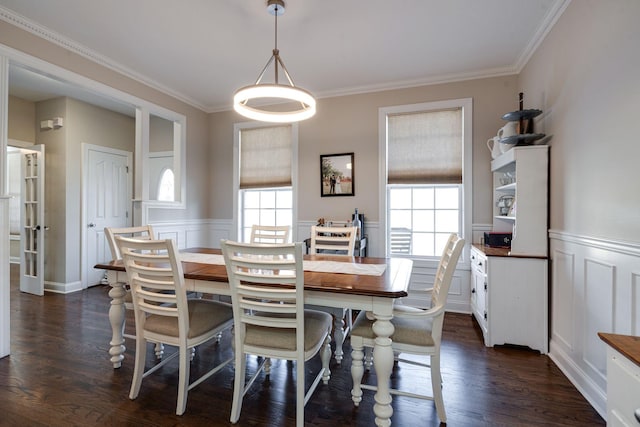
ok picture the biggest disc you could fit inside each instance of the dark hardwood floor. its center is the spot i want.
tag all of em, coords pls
(58, 374)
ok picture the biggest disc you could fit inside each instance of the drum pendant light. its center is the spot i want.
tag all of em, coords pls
(274, 93)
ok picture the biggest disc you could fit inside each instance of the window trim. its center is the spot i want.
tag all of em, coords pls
(467, 162)
(237, 127)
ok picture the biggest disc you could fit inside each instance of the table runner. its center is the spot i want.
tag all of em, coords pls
(317, 266)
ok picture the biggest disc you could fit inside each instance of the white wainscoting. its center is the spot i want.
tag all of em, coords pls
(195, 233)
(595, 287)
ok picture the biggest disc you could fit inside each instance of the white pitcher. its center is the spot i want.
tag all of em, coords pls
(510, 129)
(494, 146)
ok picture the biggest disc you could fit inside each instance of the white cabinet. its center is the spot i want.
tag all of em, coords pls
(623, 380)
(509, 291)
(527, 168)
(509, 298)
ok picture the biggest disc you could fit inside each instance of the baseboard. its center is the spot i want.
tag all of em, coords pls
(579, 379)
(62, 288)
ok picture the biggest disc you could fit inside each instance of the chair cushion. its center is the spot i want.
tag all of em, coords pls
(317, 325)
(204, 315)
(408, 330)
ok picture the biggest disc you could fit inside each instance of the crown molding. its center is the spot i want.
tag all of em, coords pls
(51, 36)
(545, 27)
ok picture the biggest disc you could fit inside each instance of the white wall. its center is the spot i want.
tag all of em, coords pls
(585, 76)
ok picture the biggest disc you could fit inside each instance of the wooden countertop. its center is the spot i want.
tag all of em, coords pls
(627, 345)
(502, 252)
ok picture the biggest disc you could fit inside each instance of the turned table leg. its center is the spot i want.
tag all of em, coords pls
(383, 365)
(116, 318)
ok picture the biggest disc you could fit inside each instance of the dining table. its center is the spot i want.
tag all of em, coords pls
(358, 283)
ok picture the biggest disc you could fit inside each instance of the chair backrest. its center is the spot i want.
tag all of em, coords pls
(339, 239)
(267, 289)
(400, 241)
(272, 234)
(155, 274)
(446, 268)
(142, 232)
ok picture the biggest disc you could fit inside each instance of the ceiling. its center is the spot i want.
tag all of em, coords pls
(201, 51)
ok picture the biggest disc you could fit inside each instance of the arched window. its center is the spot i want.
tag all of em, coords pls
(166, 192)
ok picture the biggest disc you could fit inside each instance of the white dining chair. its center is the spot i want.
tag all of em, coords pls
(417, 331)
(141, 232)
(335, 241)
(164, 314)
(400, 241)
(267, 291)
(269, 234)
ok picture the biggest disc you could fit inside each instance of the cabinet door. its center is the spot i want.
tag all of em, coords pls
(479, 288)
(480, 284)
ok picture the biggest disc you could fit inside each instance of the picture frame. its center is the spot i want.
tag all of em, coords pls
(337, 178)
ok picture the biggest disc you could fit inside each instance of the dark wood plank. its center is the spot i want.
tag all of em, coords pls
(59, 374)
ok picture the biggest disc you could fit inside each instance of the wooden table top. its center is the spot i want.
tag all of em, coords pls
(391, 284)
(627, 345)
(502, 252)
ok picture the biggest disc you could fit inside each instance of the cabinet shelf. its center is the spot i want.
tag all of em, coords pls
(504, 162)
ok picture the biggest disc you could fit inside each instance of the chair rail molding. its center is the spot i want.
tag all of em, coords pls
(595, 287)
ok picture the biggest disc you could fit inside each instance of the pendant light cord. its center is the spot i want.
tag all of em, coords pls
(276, 52)
(276, 38)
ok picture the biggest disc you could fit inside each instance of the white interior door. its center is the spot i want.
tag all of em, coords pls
(107, 203)
(32, 221)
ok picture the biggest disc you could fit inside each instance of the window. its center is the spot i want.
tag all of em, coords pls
(264, 161)
(265, 207)
(427, 193)
(166, 191)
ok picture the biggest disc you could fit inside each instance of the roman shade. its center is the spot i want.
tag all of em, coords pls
(265, 157)
(425, 147)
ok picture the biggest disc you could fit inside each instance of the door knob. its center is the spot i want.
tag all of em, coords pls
(91, 225)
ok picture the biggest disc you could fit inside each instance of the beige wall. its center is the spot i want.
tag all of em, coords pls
(22, 119)
(586, 77)
(56, 251)
(350, 124)
(83, 123)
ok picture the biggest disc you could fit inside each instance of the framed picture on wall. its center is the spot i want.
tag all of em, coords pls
(336, 175)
